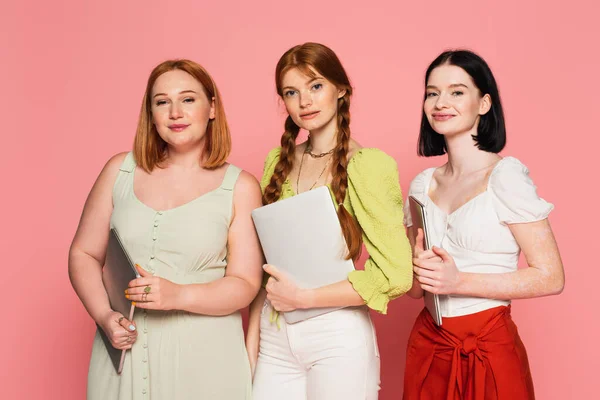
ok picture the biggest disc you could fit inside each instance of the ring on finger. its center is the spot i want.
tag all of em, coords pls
(147, 289)
(121, 319)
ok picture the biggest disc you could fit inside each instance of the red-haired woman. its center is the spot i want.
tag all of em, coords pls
(335, 355)
(184, 215)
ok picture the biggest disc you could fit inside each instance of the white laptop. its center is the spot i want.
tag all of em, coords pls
(302, 237)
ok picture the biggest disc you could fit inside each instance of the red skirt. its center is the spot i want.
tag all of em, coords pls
(474, 357)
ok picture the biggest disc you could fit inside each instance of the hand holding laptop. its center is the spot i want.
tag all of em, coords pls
(419, 216)
(301, 236)
(120, 331)
(283, 293)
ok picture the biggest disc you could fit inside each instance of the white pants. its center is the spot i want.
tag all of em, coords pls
(329, 357)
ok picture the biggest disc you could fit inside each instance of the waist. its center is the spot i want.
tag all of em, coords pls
(466, 333)
(343, 318)
(457, 306)
(205, 275)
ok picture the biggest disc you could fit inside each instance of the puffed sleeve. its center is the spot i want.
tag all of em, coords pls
(376, 202)
(514, 194)
(416, 189)
(269, 168)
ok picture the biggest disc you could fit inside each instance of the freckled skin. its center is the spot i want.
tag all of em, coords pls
(435, 271)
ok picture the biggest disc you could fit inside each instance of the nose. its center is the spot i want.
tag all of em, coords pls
(305, 99)
(441, 101)
(175, 111)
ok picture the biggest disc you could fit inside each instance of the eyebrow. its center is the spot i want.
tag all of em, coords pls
(451, 86)
(309, 82)
(185, 91)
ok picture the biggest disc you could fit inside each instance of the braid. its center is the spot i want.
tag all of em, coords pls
(285, 163)
(339, 183)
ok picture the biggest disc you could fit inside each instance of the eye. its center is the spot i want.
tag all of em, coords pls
(317, 86)
(289, 93)
(457, 93)
(189, 100)
(431, 94)
(161, 102)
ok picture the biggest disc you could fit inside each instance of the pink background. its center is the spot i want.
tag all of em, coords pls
(73, 74)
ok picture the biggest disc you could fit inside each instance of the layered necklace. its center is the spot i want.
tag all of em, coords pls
(313, 155)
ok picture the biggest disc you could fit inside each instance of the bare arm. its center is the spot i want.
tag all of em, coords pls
(543, 277)
(243, 275)
(88, 249)
(253, 334)
(340, 294)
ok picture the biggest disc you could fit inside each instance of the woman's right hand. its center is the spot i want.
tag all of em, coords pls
(121, 332)
(419, 253)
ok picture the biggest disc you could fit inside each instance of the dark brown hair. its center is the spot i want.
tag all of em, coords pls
(324, 61)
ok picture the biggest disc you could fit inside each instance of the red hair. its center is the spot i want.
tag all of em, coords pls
(323, 60)
(150, 150)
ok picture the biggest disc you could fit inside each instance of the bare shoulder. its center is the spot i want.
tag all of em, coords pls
(247, 190)
(111, 169)
(247, 181)
(114, 163)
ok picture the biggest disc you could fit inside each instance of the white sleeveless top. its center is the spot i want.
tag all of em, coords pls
(476, 235)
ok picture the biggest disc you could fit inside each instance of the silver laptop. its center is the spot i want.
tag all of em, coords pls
(302, 236)
(118, 271)
(419, 217)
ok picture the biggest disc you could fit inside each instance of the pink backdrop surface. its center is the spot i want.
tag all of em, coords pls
(73, 75)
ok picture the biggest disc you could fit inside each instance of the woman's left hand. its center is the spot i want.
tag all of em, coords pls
(283, 294)
(435, 276)
(152, 292)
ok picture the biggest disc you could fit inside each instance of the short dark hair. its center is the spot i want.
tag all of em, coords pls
(491, 131)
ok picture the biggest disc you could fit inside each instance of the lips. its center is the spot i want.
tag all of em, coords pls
(178, 127)
(309, 115)
(442, 117)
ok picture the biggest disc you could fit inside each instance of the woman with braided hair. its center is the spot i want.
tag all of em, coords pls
(335, 355)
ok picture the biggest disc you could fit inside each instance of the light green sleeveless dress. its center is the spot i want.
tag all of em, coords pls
(177, 355)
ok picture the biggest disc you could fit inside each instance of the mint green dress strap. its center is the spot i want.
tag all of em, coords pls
(230, 178)
(128, 164)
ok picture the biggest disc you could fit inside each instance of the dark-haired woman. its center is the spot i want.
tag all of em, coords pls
(335, 355)
(482, 210)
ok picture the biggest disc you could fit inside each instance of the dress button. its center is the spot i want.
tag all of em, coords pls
(145, 346)
(144, 360)
(144, 391)
(145, 330)
(152, 257)
(145, 377)
(160, 213)
(154, 238)
(156, 224)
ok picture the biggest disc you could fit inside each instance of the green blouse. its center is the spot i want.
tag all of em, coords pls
(375, 200)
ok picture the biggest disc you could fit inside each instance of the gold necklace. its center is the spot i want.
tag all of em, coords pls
(300, 170)
(313, 155)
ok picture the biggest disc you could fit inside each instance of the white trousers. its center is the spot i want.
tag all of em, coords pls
(329, 357)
